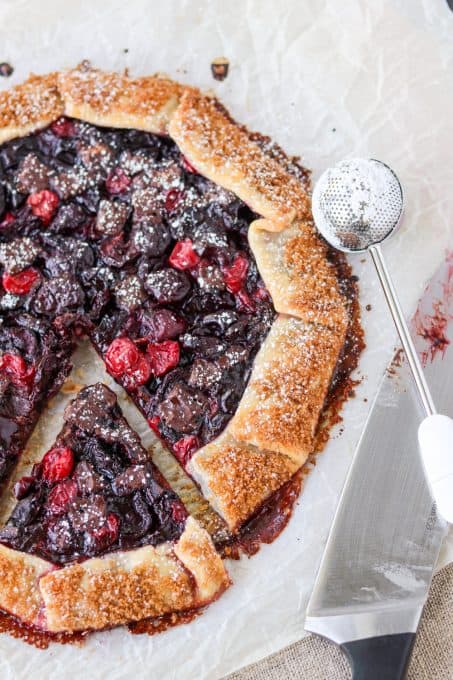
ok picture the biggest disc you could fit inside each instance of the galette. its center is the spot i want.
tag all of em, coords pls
(136, 213)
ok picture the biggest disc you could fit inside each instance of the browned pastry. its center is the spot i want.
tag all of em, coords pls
(198, 160)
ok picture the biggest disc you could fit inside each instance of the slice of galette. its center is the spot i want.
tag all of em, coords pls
(183, 246)
(97, 537)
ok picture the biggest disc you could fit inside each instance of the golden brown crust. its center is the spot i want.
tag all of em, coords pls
(129, 586)
(272, 432)
(115, 100)
(223, 151)
(237, 478)
(281, 405)
(29, 106)
(298, 275)
(19, 578)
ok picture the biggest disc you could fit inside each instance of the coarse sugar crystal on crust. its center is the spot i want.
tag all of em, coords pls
(298, 275)
(136, 584)
(281, 405)
(223, 151)
(236, 478)
(29, 106)
(104, 98)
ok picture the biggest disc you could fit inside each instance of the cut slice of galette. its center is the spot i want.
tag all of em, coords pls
(97, 537)
(183, 246)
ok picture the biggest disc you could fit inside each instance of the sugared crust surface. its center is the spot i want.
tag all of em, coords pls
(29, 106)
(19, 591)
(273, 430)
(129, 586)
(224, 152)
(236, 478)
(115, 100)
(281, 405)
(302, 282)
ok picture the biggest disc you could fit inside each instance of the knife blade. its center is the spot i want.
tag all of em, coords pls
(379, 559)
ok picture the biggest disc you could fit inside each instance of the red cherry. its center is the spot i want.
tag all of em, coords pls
(172, 199)
(61, 496)
(23, 486)
(16, 369)
(261, 294)
(178, 511)
(235, 274)
(43, 204)
(108, 533)
(154, 424)
(163, 356)
(121, 356)
(183, 256)
(57, 464)
(185, 447)
(138, 374)
(20, 283)
(117, 182)
(187, 165)
(244, 302)
(63, 127)
(7, 220)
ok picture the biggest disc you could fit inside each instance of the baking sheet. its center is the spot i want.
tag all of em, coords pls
(325, 80)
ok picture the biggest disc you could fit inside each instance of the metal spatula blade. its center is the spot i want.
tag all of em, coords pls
(379, 559)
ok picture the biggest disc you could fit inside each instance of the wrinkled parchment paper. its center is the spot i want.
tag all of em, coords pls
(326, 80)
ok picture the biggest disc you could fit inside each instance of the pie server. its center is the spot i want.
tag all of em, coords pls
(385, 540)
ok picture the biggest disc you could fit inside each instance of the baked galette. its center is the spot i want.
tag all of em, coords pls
(137, 213)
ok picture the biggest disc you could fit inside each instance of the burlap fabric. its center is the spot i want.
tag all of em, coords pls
(316, 659)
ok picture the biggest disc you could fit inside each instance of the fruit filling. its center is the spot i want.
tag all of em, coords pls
(94, 491)
(113, 234)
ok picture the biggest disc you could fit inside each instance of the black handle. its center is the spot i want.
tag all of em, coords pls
(380, 658)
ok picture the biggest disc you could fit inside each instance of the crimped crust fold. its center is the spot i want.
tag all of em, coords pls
(223, 151)
(116, 100)
(29, 106)
(19, 579)
(302, 282)
(114, 589)
(236, 478)
(281, 405)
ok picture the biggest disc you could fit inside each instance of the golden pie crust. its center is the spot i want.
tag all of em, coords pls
(273, 431)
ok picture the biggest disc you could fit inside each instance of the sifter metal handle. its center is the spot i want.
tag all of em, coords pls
(403, 330)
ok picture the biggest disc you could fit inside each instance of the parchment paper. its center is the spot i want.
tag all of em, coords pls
(326, 80)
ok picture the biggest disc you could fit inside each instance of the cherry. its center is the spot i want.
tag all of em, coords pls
(139, 374)
(172, 199)
(185, 447)
(122, 355)
(20, 283)
(124, 359)
(7, 220)
(244, 302)
(154, 424)
(43, 204)
(163, 356)
(63, 127)
(23, 486)
(183, 256)
(16, 369)
(58, 464)
(108, 533)
(187, 165)
(261, 294)
(235, 274)
(117, 182)
(61, 496)
(178, 512)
